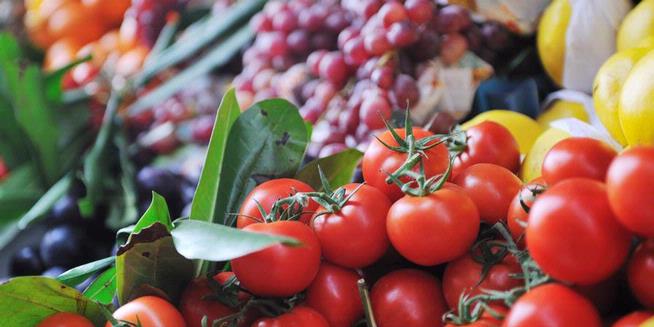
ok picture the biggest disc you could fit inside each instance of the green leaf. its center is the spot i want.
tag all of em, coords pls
(77, 275)
(206, 194)
(103, 288)
(267, 141)
(9, 47)
(149, 265)
(213, 242)
(157, 213)
(53, 86)
(339, 169)
(45, 203)
(25, 301)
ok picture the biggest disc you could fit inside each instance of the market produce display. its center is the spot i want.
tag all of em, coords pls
(380, 163)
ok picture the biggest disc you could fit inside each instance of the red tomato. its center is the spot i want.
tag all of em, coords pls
(355, 236)
(197, 303)
(602, 295)
(486, 319)
(4, 171)
(408, 297)
(517, 215)
(266, 194)
(552, 305)
(492, 188)
(280, 270)
(298, 317)
(573, 235)
(149, 311)
(633, 319)
(65, 319)
(379, 161)
(463, 276)
(334, 293)
(577, 157)
(629, 184)
(640, 271)
(413, 223)
(488, 142)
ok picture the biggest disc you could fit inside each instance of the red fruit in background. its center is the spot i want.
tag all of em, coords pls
(334, 293)
(333, 68)
(392, 12)
(488, 142)
(376, 43)
(110, 12)
(71, 20)
(633, 319)
(299, 316)
(65, 319)
(402, 34)
(149, 311)
(196, 303)
(4, 170)
(374, 111)
(420, 11)
(577, 157)
(640, 270)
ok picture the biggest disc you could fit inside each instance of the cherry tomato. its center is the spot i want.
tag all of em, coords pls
(408, 297)
(334, 293)
(573, 235)
(633, 319)
(488, 142)
(629, 184)
(298, 317)
(413, 222)
(379, 161)
(602, 295)
(552, 305)
(463, 276)
(487, 319)
(355, 236)
(196, 303)
(577, 157)
(517, 215)
(65, 319)
(492, 188)
(149, 311)
(280, 270)
(640, 271)
(266, 194)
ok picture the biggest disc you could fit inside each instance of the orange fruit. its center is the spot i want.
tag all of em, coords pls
(60, 53)
(37, 29)
(111, 11)
(74, 20)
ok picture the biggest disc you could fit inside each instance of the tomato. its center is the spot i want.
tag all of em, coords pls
(266, 194)
(413, 223)
(463, 276)
(196, 303)
(552, 305)
(111, 12)
(629, 184)
(488, 142)
(298, 317)
(633, 319)
(379, 161)
(149, 311)
(334, 293)
(491, 187)
(486, 319)
(573, 235)
(408, 297)
(280, 270)
(602, 295)
(577, 157)
(355, 236)
(517, 216)
(65, 319)
(640, 270)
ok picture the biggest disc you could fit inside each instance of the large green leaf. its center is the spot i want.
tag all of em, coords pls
(149, 264)
(206, 194)
(25, 301)
(214, 242)
(75, 276)
(103, 288)
(267, 141)
(338, 168)
(157, 213)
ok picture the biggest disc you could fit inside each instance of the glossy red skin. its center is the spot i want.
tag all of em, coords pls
(633, 319)
(488, 142)
(486, 319)
(433, 229)
(629, 184)
(577, 157)
(379, 161)
(573, 235)
(150, 311)
(280, 270)
(355, 236)
(408, 297)
(334, 293)
(552, 305)
(65, 319)
(517, 214)
(194, 304)
(269, 192)
(491, 188)
(298, 317)
(640, 271)
(463, 275)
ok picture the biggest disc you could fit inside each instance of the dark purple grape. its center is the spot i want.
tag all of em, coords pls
(54, 272)
(405, 91)
(419, 11)
(65, 210)
(325, 41)
(495, 36)
(427, 47)
(402, 34)
(26, 261)
(474, 36)
(383, 77)
(64, 246)
(453, 19)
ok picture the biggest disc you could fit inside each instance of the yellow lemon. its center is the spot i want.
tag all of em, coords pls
(636, 109)
(551, 38)
(531, 165)
(636, 26)
(608, 86)
(562, 109)
(524, 129)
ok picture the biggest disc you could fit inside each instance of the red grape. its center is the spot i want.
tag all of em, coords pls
(405, 91)
(372, 110)
(314, 59)
(392, 12)
(298, 42)
(383, 77)
(284, 21)
(376, 43)
(355, 52)
(452, 19)
(419, 11)
(402, 34)
(333, 68)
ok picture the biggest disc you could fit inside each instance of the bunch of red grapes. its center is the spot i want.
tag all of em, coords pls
(349, 64)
